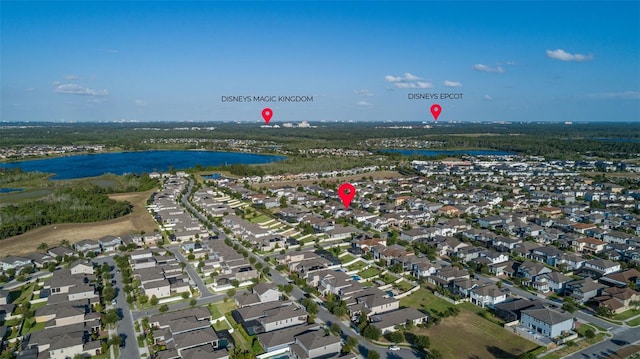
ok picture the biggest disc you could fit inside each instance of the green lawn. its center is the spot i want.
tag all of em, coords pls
(347, 258)
(227, 307)
(22, 295)
(215, 313)
(634, 322)
(626, 314)
(404, 286)
(260, 219)
(424, 299)
(221, 325)
(369, 272)
(468, 335)
(388, 278)
(357, 266)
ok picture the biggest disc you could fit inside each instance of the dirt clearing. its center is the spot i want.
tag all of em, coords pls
(52, 235)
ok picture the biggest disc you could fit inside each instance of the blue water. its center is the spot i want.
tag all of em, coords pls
(433, 153)
(135, 162)
(213, 176)
(9, 190)
(355, 277)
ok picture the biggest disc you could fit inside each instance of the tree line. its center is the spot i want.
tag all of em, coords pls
(65, 205)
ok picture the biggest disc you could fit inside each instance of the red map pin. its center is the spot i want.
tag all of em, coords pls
(346, 192)
(435, 111)
(267, 113)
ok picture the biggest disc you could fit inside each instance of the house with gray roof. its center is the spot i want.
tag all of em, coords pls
(547, 322)
(312, 345)
(388, 321)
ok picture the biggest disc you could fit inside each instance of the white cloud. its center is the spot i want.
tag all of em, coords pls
(410, 77)
(562, 55)
(72, 77)
(511, 62)
(424, 85)
(363, 103)
(140, 103)
(487, 97)
(409, 81)
(363, 92)
(485, 68)
(390, 78)
(624, 95)
(414, 85)
(75, 89)
(452, 83)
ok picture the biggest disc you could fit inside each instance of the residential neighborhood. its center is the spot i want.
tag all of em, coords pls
(546, 257)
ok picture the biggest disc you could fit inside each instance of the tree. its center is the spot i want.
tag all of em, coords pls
(422, 342)
(43, 246)
(335, 328)
(372, 354)
(111, 316)
(569, 305)
(589, 333)
(193, 302)
(109, 293)
(185, 295)
(604, 311)
(153, 300)
(163, 308)
(349, 345)
(231, 292)
(395, 337)
(115, 340)
(371, 332)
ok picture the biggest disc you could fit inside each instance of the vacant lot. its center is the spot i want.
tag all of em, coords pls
(139, 220)
(468, 335)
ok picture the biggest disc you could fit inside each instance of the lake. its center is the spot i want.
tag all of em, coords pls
(119, 163)
(433, 153)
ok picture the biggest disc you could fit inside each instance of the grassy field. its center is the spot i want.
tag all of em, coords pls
(468, 335)
(424, 299)
(138, 220)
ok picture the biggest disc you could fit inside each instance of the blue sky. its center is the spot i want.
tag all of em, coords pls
(173, 61)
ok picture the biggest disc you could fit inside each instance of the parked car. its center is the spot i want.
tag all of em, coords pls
(394, 348)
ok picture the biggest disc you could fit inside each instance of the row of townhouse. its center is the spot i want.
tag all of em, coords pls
(159, 275)
(282, 325)
(68, 317)
(187, 334)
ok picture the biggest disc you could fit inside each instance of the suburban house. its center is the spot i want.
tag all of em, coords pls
(312, 345)
(547, 322)
(487, 296)
(388, 321)
(584, 289)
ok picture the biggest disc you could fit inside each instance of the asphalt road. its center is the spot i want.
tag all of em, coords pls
(195, 277)
(125, 326)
